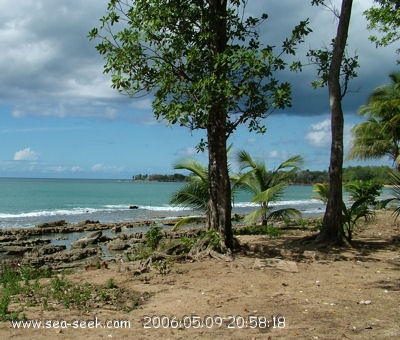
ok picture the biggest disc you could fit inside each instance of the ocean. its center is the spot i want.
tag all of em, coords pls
(26, 202)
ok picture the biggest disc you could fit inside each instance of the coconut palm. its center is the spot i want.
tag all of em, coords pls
(363, 198)
(193, 194)
(266, 187)
(396, 191)
(380, 134)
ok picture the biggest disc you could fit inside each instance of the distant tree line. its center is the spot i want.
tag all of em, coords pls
(380, 174)
(160, 178)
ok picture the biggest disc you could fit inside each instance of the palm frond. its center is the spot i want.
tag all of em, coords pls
(322, 191)
(284, 213)
(253, 217)
(194, 195)
(187, 220)
(193, 166)
(272, 194)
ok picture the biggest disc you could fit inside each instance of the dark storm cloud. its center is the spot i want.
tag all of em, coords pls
(49, 67)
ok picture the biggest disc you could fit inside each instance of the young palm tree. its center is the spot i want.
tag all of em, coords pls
(396, 191)
(195, 193)
(380, 134)
(266, 187)
(363, 197)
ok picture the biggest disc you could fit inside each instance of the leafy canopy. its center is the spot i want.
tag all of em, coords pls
(166, 48)
(385, 18)
(380, 134)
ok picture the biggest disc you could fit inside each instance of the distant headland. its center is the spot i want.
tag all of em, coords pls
(303, 177)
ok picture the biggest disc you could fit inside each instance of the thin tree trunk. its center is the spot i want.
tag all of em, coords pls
(332, 226)
(219, 206)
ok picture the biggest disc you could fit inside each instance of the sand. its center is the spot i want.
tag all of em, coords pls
(284, 287)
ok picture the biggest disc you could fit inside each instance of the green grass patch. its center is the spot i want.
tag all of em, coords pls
(23, 288)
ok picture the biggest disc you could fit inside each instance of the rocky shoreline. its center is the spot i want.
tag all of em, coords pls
(50, 245)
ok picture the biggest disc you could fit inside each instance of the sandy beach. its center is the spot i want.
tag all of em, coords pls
(283, 287)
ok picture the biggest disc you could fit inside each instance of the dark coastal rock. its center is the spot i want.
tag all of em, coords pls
(133, 207)
(88, 222)
(51, 249)
(92, 238)
(63, 259)
(15, 250)
(117, 244)
(59, 223)
(8, 238)
(21, 246)
(78, 254)
(116, 229)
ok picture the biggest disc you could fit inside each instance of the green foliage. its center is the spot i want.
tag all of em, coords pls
(395, 182)
(187, 220)
(323, 57)
(160, 178)
(4, 301)
(71, 295)
(141, 252)
(195, 193)
(169, 47)
(322, 192)
(214, 239)
(379, 136)
(351, 173)
(110, 284)
(380, 174)
(188, 242)
(153, 237)
(58, 290)
(205, 66)
(164, 266)
(269, 230)
(363, 198)
(386, 19)
(266, 187)
(396, 191)
(310, 177)
(311, 224)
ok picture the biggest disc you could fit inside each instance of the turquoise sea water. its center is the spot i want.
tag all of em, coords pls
(27, 202)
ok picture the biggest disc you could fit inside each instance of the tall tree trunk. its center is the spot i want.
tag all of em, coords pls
(219, 206)
(332, 226)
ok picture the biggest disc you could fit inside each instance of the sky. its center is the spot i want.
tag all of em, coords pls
(59, 116)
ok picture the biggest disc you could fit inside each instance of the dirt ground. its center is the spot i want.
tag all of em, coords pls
(286, 287)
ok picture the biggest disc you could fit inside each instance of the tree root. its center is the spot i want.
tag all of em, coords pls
(201, 250)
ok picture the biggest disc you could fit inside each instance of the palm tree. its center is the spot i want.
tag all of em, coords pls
(380, 134)
(266, 187)
(363, 197)
(396, 191)
(195, 193)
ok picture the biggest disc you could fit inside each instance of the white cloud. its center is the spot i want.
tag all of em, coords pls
(274, 154)
(99, 167)
(26, 154)
(320, 134)
(186, 152)
(76, 168)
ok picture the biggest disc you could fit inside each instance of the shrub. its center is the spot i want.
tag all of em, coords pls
(153, 237)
